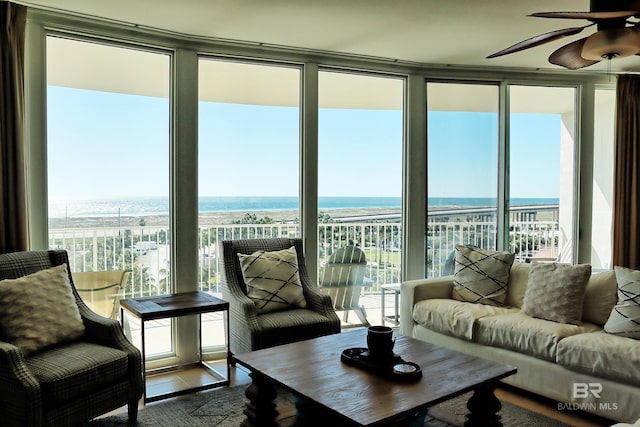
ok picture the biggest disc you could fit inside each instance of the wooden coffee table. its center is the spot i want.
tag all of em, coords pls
(347, 395)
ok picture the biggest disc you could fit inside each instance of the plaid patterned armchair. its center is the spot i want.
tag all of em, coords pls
(251, 330)
(71, 383)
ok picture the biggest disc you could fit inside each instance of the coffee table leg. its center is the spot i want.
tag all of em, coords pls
(484, 407)
(260, 409)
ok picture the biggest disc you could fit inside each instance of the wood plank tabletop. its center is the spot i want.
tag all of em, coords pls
(173, 305)
(313, 369)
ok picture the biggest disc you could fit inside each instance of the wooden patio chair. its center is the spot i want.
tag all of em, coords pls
(343, 280)
(102, 290)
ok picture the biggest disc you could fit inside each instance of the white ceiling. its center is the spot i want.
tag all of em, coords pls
(458, 32)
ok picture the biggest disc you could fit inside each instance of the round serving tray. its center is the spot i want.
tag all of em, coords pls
(394, 368)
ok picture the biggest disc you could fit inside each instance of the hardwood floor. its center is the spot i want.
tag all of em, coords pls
(238, 376)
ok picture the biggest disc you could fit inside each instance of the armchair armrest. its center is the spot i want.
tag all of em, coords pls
(320, 302)
(20, 395)
(413, 291)
(243, 318)
(109, 332)
(239, 302)
(104, 331)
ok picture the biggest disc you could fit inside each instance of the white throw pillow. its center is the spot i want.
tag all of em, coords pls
(624, 319)
(39, 310)
(272, 279)
(555, 291)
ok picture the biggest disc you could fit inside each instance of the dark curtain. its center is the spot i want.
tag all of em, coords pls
(14, 228)
(626, 199)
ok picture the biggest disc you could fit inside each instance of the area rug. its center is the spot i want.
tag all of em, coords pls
(224, 406)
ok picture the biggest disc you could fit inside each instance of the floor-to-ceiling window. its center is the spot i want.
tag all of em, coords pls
(542, 172)
(462, 171)
(603, 168)
(468, 177)
(258, 92)
(248, 159)
(360, 137)
(108, 112)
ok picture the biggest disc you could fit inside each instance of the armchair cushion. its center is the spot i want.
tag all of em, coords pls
(70, 371)
(272, 279)
(281, 327)
(39, 310)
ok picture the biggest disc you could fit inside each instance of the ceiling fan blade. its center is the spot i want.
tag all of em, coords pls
(568, 56)
(587, 15)
(538, 40)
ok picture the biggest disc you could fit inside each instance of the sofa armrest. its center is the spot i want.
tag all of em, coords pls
(413, 291)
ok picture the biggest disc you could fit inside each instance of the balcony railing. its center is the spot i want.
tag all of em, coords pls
(144, 250)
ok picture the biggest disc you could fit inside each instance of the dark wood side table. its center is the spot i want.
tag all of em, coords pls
(176, 305)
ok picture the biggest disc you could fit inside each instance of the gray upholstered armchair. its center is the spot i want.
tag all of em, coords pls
(251, 330)
(70, 382)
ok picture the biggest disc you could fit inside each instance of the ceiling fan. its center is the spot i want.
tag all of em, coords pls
(617, 35)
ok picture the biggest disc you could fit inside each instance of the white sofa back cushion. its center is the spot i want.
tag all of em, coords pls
(600, 297)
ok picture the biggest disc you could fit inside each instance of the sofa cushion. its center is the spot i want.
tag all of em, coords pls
(599, 297)
(524, 334)
(454, 318)
(69, 371)
(603, 355)
(517, 286)
(556, 291)
(481, 275)
(39, 310)
(272, 278)
(624, 319)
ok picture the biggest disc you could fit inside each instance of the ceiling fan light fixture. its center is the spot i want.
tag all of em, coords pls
(611, 43)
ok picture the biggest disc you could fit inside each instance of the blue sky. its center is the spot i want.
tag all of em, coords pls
(463, 154)
(112, 145)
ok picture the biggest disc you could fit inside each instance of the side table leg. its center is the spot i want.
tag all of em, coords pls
(382, 306)
(396, 296)
(484, 407)
(260, 409)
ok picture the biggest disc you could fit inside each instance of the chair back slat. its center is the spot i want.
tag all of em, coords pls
(102, 290)
(343, 278)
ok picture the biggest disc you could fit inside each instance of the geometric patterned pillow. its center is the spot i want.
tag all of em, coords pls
(39, 310)
(555, 291)
(481, 275)
(272, 279)
(625, 316)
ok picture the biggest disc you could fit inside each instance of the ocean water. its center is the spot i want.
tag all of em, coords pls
(158, 205)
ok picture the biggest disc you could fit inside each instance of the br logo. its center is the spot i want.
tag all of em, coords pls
(583, 390)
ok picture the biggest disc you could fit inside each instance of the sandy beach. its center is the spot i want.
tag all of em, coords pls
(208, 218)
(228, 217)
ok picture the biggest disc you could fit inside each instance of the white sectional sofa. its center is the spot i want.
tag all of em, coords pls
(580, 366)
